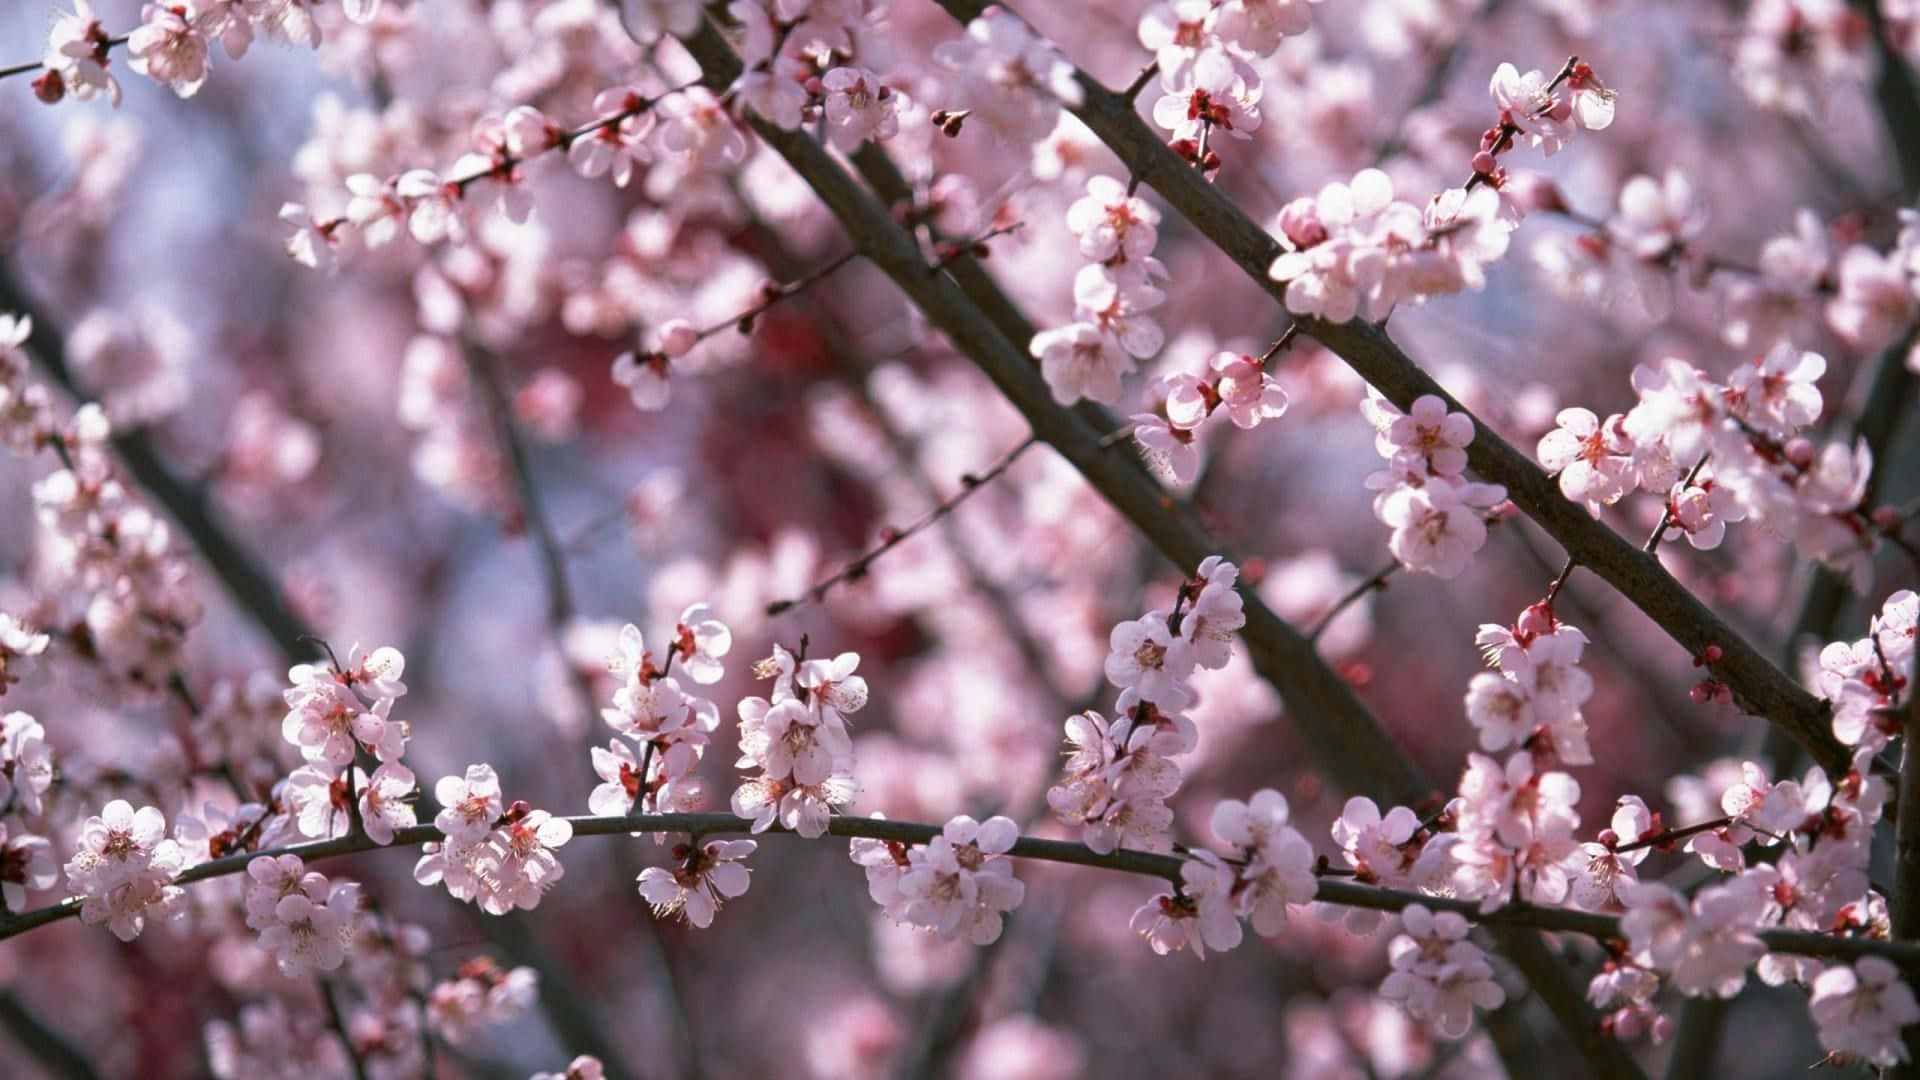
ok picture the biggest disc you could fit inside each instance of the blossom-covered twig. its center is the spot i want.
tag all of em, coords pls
(1329, 889)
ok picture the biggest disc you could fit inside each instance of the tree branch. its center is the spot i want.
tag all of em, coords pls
(1346, 738)
(1329, 890)
(1758, 685)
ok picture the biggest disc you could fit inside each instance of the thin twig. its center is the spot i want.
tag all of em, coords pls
(337, 1019)
(892, 538)
(1378, 580)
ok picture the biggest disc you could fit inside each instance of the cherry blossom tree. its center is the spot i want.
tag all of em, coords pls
(1124, 474)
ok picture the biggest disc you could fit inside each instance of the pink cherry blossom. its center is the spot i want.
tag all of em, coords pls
(705, 877)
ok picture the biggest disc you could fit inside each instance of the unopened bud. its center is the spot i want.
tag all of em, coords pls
(50, 87)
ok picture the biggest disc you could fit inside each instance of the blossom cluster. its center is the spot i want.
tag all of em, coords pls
(26, 775)
(304, 920)
(798, 741)
(1438, 974)
(1206, 54)
(1870, 681)
(1184, 401)
(1007, 77)
(480, 994)
(1353, 249)
(664, 726)
(115, 566)
(123, 869)
(1534, 696)
(1438, 516)
(1120, 773)
(500, 857)
(173, 45)
(1267, 868)
(1112, 296)
(958, 885)
(1722, 452)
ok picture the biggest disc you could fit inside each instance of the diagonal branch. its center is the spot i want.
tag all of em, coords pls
(1759, 686)
(1346, 738)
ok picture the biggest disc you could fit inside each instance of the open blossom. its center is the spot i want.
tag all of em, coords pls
(1111, 223)
(470, 804)
(26, 863)
(305, 921)
(386, 801)
(1860, 1009)
(1438, 527)
(1875, 299)
(797, 740)
(1279, 861)
(26, 762)
(1657, 217)
(1116, 780)
(1202, 917)
(859, 107)
(1427, 435)
(1172, 449)
(1210, 623)
(701, 640)
(1218, 94)
(705, 877)
(19, 644)
(1078, 360)
(1437, 974)
(1594, 460)
(803, 808)
(480, 994)
(1706, 946)
(1145, 656)
(169, 49)
(645, 377)
(1601, 871)
(77, 54)
(833, 686)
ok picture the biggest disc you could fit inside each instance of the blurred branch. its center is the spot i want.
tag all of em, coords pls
(1696, 1037)
(54, 1051)
(525, 944)
(1897, 97)
(252, 585)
